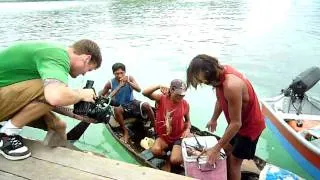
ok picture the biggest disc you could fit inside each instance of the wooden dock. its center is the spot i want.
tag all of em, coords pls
(64, 163)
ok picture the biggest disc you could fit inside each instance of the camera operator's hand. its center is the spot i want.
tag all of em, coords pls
(87, 95)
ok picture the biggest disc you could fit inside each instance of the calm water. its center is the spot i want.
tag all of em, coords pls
(270, 41)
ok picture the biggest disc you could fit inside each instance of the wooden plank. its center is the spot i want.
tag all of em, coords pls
(63, 163)
(33, 168)
(6, 176)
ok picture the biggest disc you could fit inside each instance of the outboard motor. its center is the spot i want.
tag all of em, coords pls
(303, 82)
(299, 86)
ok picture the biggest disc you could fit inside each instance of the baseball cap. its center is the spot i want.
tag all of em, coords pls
(178, 86)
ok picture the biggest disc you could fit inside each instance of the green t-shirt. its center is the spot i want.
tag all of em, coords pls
(33, 60)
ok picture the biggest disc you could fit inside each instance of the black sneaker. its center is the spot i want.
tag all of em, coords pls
(12, 147)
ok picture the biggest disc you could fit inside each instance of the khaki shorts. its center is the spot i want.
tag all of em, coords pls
(16, 96)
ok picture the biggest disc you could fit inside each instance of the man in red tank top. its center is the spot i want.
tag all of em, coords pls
(172, 121)
(237, 99)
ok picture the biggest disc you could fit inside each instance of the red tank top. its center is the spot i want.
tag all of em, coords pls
(251, 117)
(170, 119)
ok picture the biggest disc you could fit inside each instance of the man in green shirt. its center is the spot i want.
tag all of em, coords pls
(33, 79)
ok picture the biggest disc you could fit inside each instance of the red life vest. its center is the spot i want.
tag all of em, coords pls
(251, 116)
(169, 113)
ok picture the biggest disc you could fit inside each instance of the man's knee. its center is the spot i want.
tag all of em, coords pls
(16, 96)
(60, 125)
(146, 107)
(147, 111)
(118, 110)
(156, 150)
(175, 160)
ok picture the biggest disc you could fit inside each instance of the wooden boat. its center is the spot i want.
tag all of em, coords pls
(294, 118)
(250, 169)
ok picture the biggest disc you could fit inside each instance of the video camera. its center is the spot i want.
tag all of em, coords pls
(303, 82)
(100, 110)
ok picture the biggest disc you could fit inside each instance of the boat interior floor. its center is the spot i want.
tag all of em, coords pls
(138, 130)
(309, 129)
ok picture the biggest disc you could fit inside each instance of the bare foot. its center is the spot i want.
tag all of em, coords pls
(125, 136)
